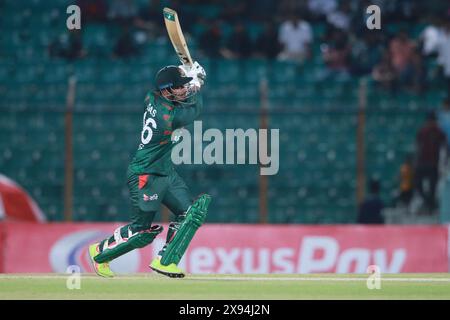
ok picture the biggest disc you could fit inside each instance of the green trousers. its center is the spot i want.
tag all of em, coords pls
(148, 191)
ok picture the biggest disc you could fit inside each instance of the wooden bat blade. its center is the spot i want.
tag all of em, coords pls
(176, 36)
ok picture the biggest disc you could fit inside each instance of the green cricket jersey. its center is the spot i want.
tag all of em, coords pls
(161, 118)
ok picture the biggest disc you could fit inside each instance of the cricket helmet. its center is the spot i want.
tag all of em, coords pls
(171, 77)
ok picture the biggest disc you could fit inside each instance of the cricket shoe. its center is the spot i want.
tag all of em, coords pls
(171, 270)
(102, 269)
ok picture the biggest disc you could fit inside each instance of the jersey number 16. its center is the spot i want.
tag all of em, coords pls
(147, 130)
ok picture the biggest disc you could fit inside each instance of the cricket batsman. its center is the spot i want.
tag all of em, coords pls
(174, 103)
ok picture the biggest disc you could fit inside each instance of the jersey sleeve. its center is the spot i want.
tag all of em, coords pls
(184, 115)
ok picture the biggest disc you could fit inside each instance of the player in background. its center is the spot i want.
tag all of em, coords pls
(152, 179)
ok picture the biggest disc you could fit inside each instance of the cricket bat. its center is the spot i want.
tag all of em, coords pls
(176, 36)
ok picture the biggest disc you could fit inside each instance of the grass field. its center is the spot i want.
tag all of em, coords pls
(152, 286)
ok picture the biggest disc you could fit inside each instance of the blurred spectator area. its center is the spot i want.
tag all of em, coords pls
(313, 102)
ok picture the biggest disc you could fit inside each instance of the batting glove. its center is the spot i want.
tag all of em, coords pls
(196, 71)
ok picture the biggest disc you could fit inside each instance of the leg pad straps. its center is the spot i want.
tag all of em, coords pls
(124, 245)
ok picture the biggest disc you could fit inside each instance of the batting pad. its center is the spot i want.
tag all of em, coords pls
(194, 219)
(124, 245)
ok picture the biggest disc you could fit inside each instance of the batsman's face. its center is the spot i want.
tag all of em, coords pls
(180, 93)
